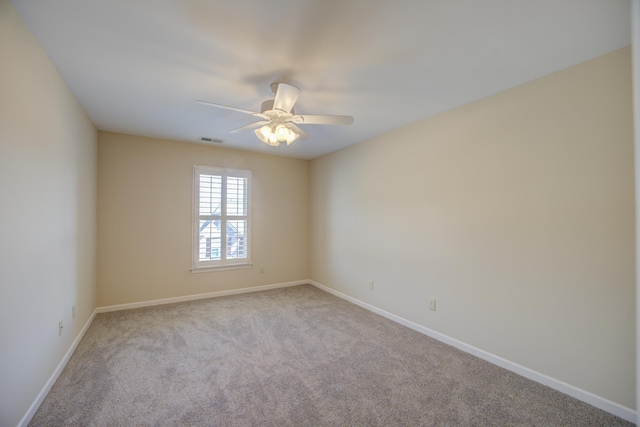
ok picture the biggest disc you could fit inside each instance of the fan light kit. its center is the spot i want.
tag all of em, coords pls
(279, 122)
(275, 134)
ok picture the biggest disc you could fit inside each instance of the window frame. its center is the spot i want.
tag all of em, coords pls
(223, 263)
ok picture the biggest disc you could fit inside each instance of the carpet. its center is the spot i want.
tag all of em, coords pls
(294, 356)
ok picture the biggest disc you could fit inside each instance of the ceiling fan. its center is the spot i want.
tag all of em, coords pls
(279, 121)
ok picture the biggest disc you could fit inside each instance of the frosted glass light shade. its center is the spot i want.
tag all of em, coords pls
(274, 135)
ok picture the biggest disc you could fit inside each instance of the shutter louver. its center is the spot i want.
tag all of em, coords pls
(222, 198)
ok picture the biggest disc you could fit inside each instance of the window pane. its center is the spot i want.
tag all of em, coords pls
(236, 239)
(210, 240)
(221, 217)
(210, 194)
(236, 196)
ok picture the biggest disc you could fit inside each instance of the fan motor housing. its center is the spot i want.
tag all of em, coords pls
(268, 106)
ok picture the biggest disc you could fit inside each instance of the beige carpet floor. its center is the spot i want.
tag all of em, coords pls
(288, 357)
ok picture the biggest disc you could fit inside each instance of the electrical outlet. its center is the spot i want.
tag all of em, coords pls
(370, 284)
(60, 328)
(73, 312)
(432, 304)
(261, 270)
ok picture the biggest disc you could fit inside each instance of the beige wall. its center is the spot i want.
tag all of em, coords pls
(145, 214)
(47, 217)
(516, 212)
(635, 42)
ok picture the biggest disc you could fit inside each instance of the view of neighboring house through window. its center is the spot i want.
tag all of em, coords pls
(221, 217)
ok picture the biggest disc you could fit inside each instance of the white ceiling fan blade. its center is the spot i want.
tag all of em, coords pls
(286, 97)
(226, 107)
(251, 126)
(314, 119)
(296, 129)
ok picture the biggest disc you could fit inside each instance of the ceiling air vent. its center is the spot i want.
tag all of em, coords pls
(208, 140)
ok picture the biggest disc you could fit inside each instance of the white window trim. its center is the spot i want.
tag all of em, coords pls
(223, 264)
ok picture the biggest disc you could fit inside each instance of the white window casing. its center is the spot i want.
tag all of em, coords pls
(221, 218)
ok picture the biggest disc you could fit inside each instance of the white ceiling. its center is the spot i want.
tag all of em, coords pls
(137, 66)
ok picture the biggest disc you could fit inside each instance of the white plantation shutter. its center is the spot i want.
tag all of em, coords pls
(221, 218)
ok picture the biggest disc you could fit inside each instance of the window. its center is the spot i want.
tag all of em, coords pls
(221, 219)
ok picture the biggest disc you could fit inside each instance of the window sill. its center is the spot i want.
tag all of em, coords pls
(220, 268)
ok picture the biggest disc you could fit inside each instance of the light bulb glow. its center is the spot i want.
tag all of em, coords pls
(265, 131)
(282, 133)
(272, 134)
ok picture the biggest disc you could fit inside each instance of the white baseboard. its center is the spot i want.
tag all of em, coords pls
(150, 303)
(623, 412)
(56, 373)
(585, 396)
